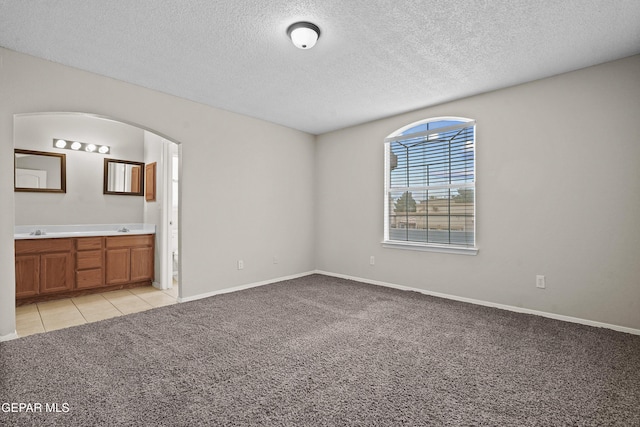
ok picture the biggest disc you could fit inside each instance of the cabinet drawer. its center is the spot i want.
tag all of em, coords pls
(36, 246)
(88, 259)
(130, 241)
(88, 243)
(89, 278)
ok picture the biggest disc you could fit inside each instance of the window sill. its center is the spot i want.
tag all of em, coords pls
(460, 250)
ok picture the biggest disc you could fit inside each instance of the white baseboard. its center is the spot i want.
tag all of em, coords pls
(242, 287)
(488, 303)
(9, 337)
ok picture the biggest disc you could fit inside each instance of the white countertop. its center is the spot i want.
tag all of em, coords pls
(82, 230)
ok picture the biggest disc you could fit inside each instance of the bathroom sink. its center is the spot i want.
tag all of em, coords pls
(62, 231)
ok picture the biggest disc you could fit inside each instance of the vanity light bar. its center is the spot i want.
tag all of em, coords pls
(81, 146)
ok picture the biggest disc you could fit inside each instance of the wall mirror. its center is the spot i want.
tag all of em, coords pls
(123, 177)
(39, 171)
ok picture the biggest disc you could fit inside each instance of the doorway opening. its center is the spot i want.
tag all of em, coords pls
(85, 203)
(174, 220)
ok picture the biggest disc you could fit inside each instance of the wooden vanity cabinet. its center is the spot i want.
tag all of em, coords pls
(43, 266)
(53, 268)
(129, 259)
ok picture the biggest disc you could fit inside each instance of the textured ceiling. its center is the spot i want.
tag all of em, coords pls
(374, 58)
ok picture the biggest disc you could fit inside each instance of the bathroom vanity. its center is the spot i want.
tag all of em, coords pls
(69, 261)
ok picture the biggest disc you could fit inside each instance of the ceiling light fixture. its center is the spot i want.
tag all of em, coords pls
(304, 35)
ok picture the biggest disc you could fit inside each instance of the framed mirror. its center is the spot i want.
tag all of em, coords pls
(39, 171)
(123, 177)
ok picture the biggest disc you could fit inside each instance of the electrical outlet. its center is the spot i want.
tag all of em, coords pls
(540, 282)
(240, 264)
(372, 260)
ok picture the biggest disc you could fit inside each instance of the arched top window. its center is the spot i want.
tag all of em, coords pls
(430, 186)
(429, 124)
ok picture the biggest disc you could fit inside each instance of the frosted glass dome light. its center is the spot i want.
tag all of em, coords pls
(304, 35)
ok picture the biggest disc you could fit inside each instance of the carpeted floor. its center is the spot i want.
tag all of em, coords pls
(323, 351)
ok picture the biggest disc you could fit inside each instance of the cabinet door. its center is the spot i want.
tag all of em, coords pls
(118, 266)
(27, 275)
(150, 182)
(56, 272)
(141, 264)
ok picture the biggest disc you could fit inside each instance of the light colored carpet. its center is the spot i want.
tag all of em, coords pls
(325, 351)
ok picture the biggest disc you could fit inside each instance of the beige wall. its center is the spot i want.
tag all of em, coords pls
(231, 165)
(558, 194)
(84, 201)
(558, 152)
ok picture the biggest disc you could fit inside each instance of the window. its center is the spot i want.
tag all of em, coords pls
(430, 186)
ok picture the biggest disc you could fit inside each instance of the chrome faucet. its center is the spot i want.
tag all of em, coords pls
(38, 232)
(123, 229)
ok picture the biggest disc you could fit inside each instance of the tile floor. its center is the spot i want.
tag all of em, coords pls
(59, 314)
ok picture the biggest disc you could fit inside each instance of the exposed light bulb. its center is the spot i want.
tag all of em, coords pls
(77, 146)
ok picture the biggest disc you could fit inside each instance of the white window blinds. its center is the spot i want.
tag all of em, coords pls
(430, 185)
